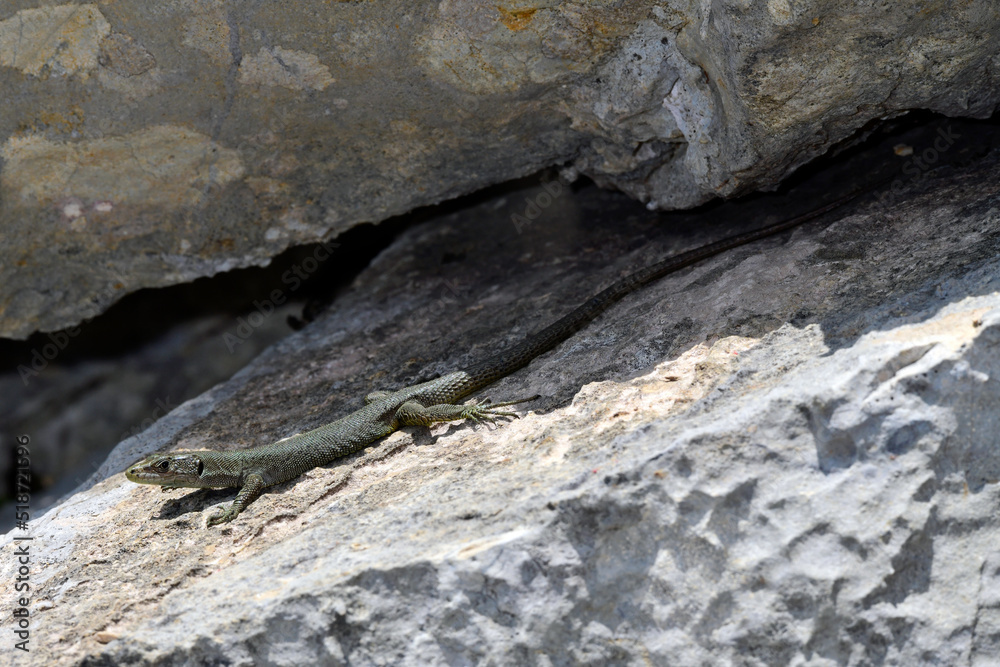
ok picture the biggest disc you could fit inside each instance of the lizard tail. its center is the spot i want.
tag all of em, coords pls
(518, 356)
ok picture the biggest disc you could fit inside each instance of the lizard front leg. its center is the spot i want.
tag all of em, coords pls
(252, 488)
(413, 413)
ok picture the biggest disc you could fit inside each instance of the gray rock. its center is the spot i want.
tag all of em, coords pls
(142, 149)
(78, 410)
(784, 455)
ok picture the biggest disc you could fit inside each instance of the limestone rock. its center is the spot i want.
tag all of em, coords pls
(142, 149)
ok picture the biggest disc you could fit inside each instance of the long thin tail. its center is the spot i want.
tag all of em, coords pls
(511, 359)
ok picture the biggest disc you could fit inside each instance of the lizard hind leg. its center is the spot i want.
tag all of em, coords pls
(487, 403)
(413, 413)
(485, 410)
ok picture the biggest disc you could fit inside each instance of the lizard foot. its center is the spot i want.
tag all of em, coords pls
(484, 410)
(225, 516)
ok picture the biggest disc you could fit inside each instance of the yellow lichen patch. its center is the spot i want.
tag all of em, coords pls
(71, 119)
(516, 19)
(63, 39)
(166, 165)
(297, 70)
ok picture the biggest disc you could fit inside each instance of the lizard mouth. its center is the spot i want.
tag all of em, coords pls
(139, 475)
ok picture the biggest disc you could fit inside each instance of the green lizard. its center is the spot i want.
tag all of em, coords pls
(256, 468)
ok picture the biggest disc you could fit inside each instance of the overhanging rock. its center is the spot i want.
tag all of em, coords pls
(142, 149)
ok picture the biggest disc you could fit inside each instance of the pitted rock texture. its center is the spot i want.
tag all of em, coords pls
(783, 455)
(142, 149)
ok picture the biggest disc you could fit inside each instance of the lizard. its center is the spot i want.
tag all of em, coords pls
(253, 469)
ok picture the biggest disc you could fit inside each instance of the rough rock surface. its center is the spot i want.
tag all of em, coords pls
(144, 148)
(77, 411)
(784, 455)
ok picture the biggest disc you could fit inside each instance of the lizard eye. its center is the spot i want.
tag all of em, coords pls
(163, 465)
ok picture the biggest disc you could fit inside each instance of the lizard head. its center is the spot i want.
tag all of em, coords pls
(168, 470)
